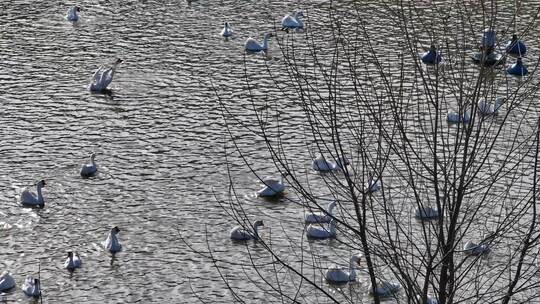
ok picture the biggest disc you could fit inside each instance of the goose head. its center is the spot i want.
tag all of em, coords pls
(356, 258)
(226, 24)
(299, 14)
(256, 226)
(70, 254)
(36, 282)
(78, 9)
(118, 61)
(115, 230)
(92, 157)
(268, 35)
(40, 185)
(514, 38)
(331, 206)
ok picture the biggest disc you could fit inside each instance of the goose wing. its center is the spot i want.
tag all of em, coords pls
(107, 77)
(97, 74)
(289, 22)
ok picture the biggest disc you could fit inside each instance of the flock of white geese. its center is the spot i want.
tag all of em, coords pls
(320, 225)
(101, 79)
(31, 286)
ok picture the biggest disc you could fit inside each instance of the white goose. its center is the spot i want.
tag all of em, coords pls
(321, 217)
(73, 261)
(454, 117)
(273, 186)
(485, 108)
(227, 30)
(251, 45)
(338, 275)
(471, 248)
(317, 231)
(72, 14)
(292, 22)
(426, 213)
(6, 281)
(112, 244)
(385, 289)
(31, 287)
(103, 77)
(28, 198)
(320, 164)
(88, 170)
(238, 233)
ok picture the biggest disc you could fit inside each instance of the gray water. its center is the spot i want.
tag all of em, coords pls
(160, 140)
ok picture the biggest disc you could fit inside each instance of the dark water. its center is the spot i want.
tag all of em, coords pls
(162, 147)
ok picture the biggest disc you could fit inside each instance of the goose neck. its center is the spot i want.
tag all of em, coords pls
(256, 231)
(330, 208)
(113, 239)
(36, 287)
(332, 227)
(73, 12)
(265, 42)
(39, 194)
(352, 271)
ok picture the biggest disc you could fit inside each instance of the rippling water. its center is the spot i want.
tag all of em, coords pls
(160, 143)
(159, 140)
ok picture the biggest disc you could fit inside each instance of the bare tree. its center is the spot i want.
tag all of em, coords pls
(455, 217)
